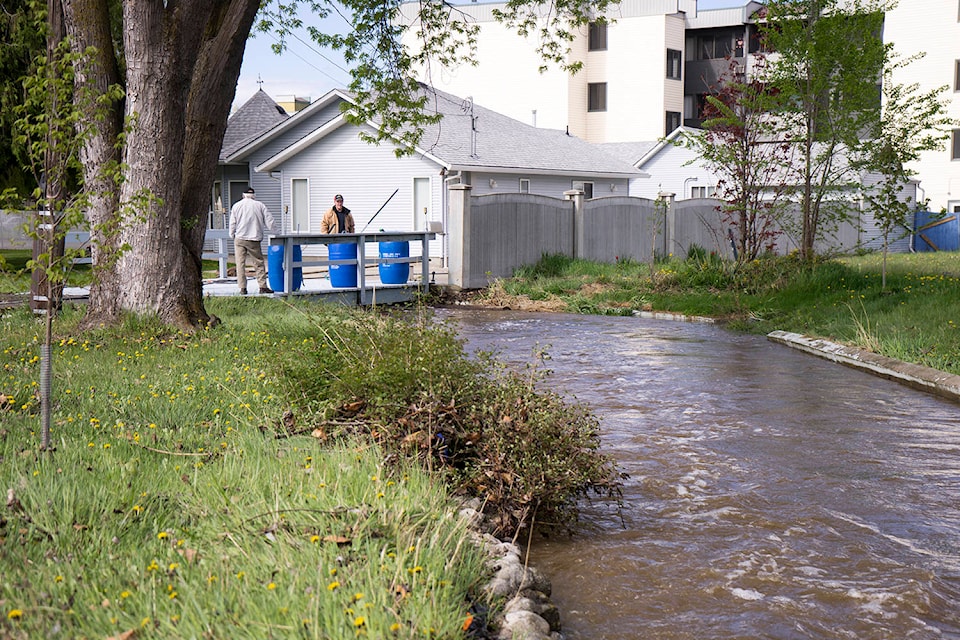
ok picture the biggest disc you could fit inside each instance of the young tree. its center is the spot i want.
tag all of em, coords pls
(828, 61)
(911, 122)
(743, 145)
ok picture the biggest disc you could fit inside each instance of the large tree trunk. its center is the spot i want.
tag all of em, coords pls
(88, 25)
(182, 63)
(212, 92)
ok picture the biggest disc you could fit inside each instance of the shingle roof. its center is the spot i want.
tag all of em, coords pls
(502, 143)
(628, 151)
(254, 117)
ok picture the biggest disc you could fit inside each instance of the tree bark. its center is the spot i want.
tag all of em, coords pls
(182, 62)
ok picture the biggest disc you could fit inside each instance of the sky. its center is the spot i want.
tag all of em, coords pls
(307, 71)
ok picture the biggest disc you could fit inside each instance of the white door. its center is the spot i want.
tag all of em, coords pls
(299, 206)
(421, 204)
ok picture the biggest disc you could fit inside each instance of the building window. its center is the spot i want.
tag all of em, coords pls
(524, 185)
(714, 46)
(674, 64)
(586, 187)
(956, 145)
(701, 192)
(956, 76)
(673, 121)
(597, 40)
(597, 96)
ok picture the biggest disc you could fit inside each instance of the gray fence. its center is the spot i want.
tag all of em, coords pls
(492, 235)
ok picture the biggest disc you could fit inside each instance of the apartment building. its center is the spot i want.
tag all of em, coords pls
(648, 68)
(933, 27)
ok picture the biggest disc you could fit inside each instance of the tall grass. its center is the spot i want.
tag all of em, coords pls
(279, 475)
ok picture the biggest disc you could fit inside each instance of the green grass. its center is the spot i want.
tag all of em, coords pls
(278, 475)
(914, 318)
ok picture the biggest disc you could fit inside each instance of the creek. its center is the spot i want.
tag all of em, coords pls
(770, 493)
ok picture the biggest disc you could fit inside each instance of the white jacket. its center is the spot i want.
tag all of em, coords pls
(249, 219)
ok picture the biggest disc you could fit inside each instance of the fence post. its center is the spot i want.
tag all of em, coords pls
(579, 228)
(669, 221)
(459, 235)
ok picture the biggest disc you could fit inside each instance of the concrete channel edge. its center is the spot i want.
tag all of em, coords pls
(914, 375)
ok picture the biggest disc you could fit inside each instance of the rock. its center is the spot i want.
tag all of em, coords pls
(524, 625)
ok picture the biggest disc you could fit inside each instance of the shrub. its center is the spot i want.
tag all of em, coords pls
(497, 436)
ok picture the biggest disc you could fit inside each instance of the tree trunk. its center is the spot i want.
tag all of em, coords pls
(88, 25)
(182, 63)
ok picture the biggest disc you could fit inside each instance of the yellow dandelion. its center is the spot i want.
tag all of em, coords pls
(162, 535)
(241, 574)
(395, 627)
(333, 586)
(359, 621)
(124, 595)
(58, 579)
(314, 538)
(15, 614)
(271, 586)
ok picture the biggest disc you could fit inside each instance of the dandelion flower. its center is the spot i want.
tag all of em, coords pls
(15, 614)
(333, 586)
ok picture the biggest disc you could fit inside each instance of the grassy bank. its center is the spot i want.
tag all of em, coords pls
(914, 318)
(289, 473)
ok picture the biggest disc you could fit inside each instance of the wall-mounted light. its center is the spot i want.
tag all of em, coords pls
(493, 183)
(613, 187)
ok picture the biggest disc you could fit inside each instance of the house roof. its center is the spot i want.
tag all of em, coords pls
(473, 138)
(257, 115)
(670, 140)
(629, 151)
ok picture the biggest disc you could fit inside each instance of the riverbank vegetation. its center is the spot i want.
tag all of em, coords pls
(913, 318)
(293, 471)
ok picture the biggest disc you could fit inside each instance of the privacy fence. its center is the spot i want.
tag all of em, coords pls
(491, 235)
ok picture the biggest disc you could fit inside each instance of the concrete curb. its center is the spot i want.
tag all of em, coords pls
(917, 376)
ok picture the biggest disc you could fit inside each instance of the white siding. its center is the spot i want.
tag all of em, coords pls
(931, 26)
(366, 175)
(506, 79)
(543, 185)
(669, 172)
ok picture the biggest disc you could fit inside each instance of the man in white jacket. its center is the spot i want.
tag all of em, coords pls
(249, 219)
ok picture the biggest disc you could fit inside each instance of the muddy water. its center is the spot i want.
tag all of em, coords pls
(771, 494)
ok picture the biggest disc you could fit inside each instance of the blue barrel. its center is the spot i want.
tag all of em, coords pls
(936, 231)
(396, 273)
(275, 267)
(343, 275)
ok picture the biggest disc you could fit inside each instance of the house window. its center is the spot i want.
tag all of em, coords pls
(955, 155)
(299, 205)
(597, 96)
(524, 185)
(673, 121)
(701, 192)
(597, 40)
(586, 187)
(956, 76)
(674, 64)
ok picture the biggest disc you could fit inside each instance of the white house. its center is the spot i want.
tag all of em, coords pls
(297, 165)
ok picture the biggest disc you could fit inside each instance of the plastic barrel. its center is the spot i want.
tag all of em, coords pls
(275, 267)
(396, 273)
(936, 231)
(343, 275)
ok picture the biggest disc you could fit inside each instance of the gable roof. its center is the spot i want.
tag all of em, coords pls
(240, 152)
(256, 115)
(473, 138)
(669, 141)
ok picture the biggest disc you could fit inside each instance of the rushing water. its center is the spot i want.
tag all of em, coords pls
(771, 494)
